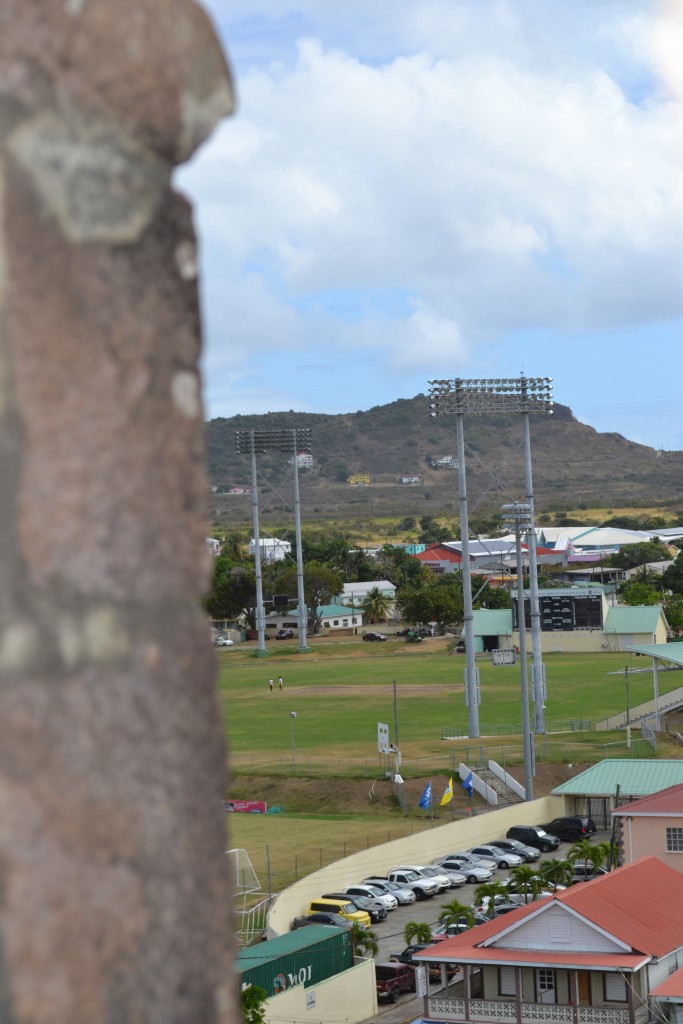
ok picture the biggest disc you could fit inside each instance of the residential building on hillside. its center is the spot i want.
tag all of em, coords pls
(653, 825)
(355, 593)
(359, 480)
(410, 481)
(334, 617)
(303, 460)
(591, 954)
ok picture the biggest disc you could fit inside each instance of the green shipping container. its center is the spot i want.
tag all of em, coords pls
(305, 957)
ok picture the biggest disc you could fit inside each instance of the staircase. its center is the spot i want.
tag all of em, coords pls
(506, 796)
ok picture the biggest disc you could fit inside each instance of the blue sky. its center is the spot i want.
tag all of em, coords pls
(442, 188)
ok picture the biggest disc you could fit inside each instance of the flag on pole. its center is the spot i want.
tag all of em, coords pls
(426, 798)
(448, 794)
(467, 785)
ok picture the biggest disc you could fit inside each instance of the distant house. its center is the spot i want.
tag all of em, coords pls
(359, 480)
(410, 481)
(445, 462)
(440, 558)
(355, 593)
(213, 546)
(593, 791)
(239, 489)
(303, 460)
(595, 953)
(653, 825)
(333, 617)
(272, 549)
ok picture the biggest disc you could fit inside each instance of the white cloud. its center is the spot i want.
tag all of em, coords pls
(509, 165)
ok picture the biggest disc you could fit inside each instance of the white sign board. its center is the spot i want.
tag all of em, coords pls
(421, 987)
(382, 738)
(310, 999)
(503, 656)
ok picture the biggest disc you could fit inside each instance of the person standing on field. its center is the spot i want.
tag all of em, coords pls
(279, 683)
(270, 685)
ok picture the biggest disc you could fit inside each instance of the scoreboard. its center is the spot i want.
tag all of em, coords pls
(564, 610)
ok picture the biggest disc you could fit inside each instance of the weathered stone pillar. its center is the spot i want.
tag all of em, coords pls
(113, 883)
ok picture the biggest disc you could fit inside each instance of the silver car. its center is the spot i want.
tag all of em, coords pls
(485, 862)
(402, 894)
(474, 871)
(502, 857)
(372, 892)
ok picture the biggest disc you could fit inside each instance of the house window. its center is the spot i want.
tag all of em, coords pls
(335, 622)
(345, 622)
(545, 985)
(506, 981)
(674, 840)
(615, 988)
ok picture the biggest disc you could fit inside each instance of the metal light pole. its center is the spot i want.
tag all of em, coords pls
(292, 716)
(518, 514)
(289, 440)
(497, 396)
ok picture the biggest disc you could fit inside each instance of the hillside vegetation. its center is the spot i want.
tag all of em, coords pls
(573, 465)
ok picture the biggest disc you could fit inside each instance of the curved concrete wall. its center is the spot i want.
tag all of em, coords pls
(415, 849)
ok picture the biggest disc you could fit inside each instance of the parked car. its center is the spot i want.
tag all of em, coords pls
(322, 917)
(528, 853)
(223, 641)
(475, 873)
(534, 835)
(422, 887)
(571, 828)
(402, 893)
(431, 873)
(284, 634)
(459, 926)
(373, 637)
(584, 871)
(376, 910)
(374, 892)
(342, 906)
(393, 978)
(407, 956)
(485, 862)
(503, 859)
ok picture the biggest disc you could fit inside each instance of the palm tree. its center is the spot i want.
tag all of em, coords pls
(364, 940)
(526, 881)
(456, 912)
(591, 853)
(555, 872)
(375, 605)
(489, 891)
(417, 932)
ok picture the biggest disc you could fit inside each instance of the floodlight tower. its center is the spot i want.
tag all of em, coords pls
(289, 440)
(518, 515)
(499, 396)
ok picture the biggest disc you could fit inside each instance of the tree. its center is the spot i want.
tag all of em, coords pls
(252, 1005)
(591, 853)
(395, 564)
(432, 532)
(486, 894)
(456, 912)
(632, 555)
(672, 577)
(555, 872)
(417, 932)
(364, 940)
(438, 599)
(633, 593)
(375, 605)
(233, 591)
(526, 881)
(673, 609)
(233, 546)
(320, 584)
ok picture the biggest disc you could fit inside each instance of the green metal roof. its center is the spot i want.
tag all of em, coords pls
(289, 942)
(492, 622)
(667, 652)
(640, 618)
(634, 777)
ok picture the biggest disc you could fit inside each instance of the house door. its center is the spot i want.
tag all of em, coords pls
(584, 980)
(545, 985)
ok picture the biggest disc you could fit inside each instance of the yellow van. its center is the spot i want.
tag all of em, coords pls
(341, 907)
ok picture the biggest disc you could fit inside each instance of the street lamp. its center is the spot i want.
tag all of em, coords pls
(497, 396)
(294, 440)
(292, 716)
(518, 516)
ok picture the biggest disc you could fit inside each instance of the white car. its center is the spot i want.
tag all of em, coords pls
(401, 892)
(223, 641)
(429, 872)
(484, 862)
(502, 857)
(388, 901)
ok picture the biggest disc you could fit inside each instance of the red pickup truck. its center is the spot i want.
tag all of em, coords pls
(393, 978)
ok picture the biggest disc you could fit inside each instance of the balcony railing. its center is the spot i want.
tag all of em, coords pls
(496, 1011)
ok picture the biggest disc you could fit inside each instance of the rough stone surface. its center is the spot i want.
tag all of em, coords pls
(113, 883)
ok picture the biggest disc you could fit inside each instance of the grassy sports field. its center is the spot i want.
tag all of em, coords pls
(342, 689)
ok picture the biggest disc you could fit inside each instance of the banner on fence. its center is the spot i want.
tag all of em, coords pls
(246, 806)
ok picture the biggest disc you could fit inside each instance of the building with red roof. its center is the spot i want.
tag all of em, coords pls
(591, 954)
(653, 825)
